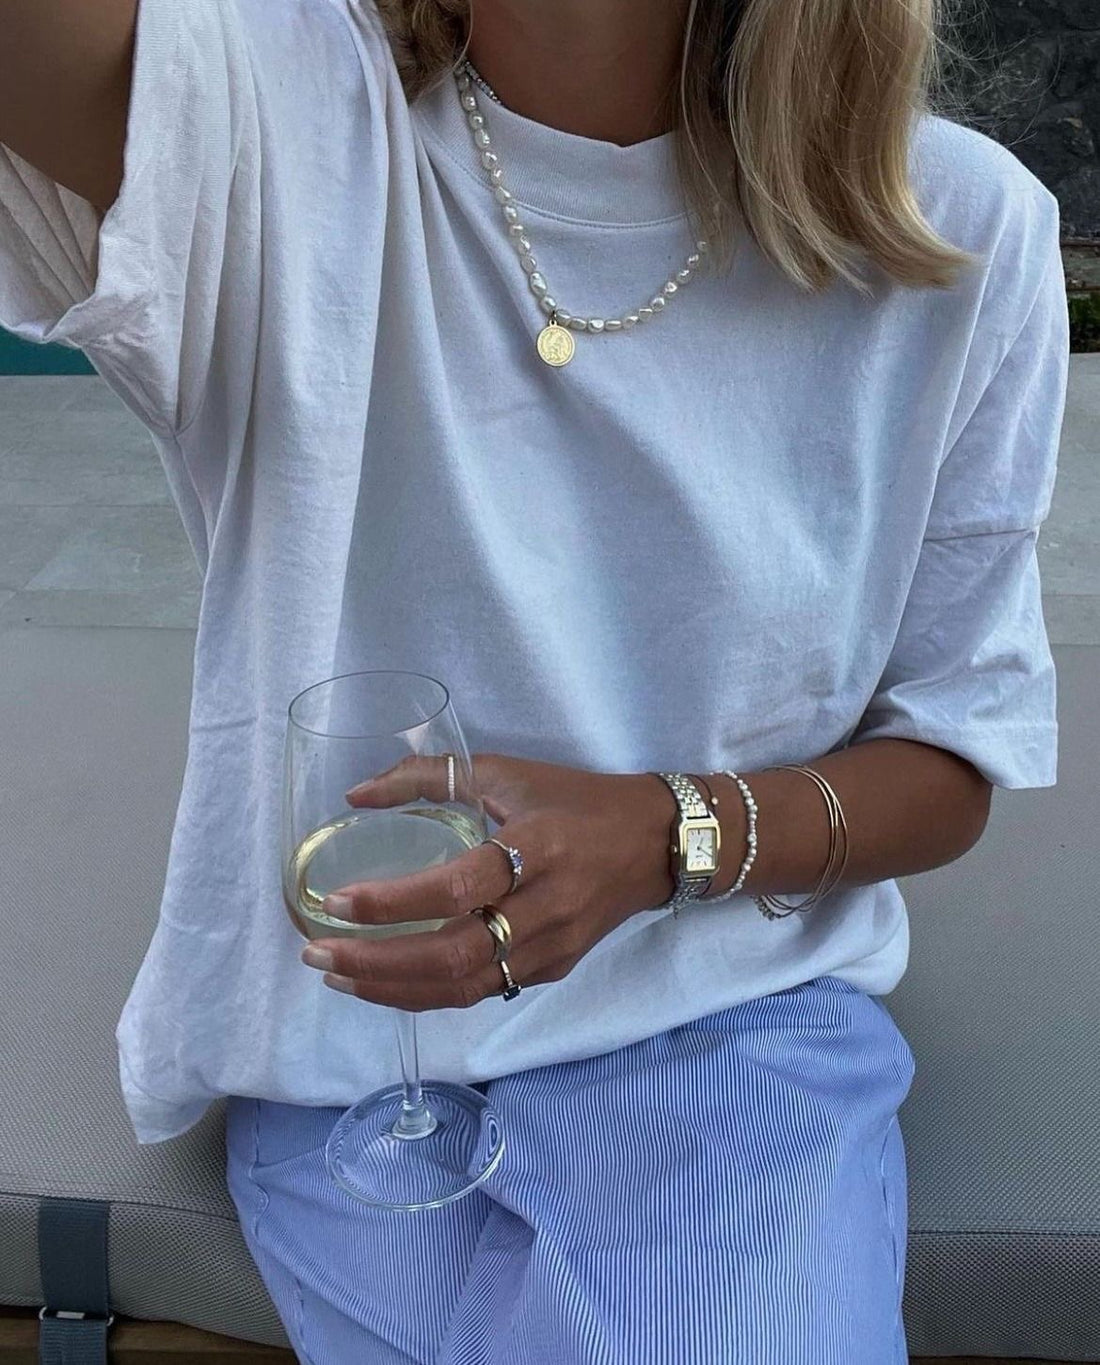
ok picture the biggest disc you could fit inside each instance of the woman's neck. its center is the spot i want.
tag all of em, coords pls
(598, 68)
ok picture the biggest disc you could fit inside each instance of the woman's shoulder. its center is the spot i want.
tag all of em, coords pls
(973, 189)
(313, 38)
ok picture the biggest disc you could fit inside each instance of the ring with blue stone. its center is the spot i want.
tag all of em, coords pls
(511, 988)
(515, 859)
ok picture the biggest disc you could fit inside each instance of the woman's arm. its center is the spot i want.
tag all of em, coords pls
(909, 807)
(65, 72)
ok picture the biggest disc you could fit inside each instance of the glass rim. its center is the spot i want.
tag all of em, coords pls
(369, 673)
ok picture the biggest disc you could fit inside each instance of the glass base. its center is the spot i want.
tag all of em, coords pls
(368, 1156)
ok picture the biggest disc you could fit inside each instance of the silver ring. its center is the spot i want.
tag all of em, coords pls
(511, 988)
(450, 776)
(515, 858)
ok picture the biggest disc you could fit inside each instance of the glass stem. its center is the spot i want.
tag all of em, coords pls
(416, 1120)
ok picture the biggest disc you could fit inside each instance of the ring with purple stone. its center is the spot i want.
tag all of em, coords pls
(515, 859)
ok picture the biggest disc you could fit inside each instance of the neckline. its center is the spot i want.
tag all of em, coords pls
(563, 175)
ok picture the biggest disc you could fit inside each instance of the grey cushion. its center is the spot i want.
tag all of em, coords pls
(93, 741)
(998, 1005)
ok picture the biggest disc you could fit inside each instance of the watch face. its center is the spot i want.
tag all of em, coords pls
(700, 851)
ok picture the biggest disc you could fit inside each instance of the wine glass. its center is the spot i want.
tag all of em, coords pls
(420, 1144)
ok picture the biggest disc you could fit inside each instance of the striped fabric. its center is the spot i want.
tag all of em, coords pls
(731, 1192)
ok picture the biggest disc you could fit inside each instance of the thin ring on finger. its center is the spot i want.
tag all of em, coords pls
(515, 860)
(415, 997)
(511, 988)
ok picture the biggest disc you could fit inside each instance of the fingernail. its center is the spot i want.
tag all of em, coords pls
(361, 789)
(338, 906)
(320, 958)
(340, 983)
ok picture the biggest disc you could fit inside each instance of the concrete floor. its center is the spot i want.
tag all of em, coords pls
(89, 534)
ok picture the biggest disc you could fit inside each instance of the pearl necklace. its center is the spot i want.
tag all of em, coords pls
(555, 342)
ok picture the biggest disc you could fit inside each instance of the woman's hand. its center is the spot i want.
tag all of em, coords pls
(595, 852)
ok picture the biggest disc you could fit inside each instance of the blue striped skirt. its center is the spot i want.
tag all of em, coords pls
(731, 1192)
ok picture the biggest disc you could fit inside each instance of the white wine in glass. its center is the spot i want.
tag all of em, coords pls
(392, 843)
(418, 1144)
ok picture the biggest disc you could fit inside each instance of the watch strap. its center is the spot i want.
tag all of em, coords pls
(689, 798)
(692, 806)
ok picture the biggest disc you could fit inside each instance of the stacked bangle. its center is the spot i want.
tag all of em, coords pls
(771, 907)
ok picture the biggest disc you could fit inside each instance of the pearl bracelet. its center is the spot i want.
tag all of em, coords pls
(770, 906)
(750, 856)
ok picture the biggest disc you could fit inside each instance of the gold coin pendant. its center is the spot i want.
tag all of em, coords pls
(556, 344)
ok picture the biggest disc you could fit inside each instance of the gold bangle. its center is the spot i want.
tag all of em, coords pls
(837, 826)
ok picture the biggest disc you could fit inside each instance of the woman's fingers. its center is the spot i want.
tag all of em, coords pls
(425, 776)
(453, 968)
(475, 878)
(418, 775)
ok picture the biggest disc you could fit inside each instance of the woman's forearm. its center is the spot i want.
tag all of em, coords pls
(909, 807)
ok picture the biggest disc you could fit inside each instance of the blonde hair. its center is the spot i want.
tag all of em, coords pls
(793, 118)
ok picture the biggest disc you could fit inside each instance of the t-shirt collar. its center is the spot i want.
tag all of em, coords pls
(559, 173)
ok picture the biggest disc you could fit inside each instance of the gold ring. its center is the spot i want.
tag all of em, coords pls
(499, 927)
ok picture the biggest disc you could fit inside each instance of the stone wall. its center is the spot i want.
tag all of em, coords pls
(1035, 87)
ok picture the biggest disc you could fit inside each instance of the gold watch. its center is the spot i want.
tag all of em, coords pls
(695, 841)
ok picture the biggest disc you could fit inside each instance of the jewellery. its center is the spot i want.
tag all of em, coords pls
(696, 839)
(450, 776)
(555, 342)
(515, 857)
(750, 855)
(837, 825)
(829, 879)
(511, 989)
(482, 83)
(500, 929)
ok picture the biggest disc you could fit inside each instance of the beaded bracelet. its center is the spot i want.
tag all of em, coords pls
(768, 905)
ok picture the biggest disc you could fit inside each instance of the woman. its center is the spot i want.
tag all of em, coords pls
(673, 383)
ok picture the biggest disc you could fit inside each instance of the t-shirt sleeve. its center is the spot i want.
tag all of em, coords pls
(971, 669)
(140, 293)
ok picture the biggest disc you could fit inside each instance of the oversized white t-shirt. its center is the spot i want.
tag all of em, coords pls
(760, 527)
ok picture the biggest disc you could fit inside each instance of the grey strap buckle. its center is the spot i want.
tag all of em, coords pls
(66, 1313)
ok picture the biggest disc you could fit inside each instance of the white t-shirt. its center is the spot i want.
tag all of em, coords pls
(741, 535)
